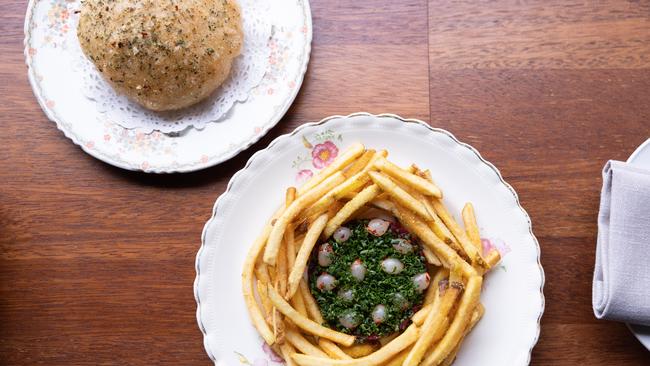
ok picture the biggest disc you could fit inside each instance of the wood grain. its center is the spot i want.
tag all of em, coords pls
(97, 264)
(539, 34)
(549, 92)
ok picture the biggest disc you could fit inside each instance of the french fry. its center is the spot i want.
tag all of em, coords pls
(282, 270)
(468, 303)
(302, 344)
(469, 248)
(332, 349)
(387, 338)
(432, 329)
(350, 154)
(306, 324)
(334, 208)
(358, 164)
(365, 196)
(439, 227)
(471, 227)
(272, 273)
(298, 303)
(311, 218)
(420, 315)
(289, 235)
(426, 174)
(264, 298)
(478, 313)
(278, 324)
(476, 316)
(493, 258)
(298, 238)
(349, 195)
(431, 257)
(418, 183)
(446, 255)
(320, 206)
(451, 358)
(247, 285)
(434, 285)
(368, 213)
(428, 254)
(399, 359)
(310, 303)
(359, 350)
(303, 254)
(286, 349)
(383, 204)
(358, 180)
(262, 273)
(435, 224)
(377, 358)
(310, 196)
(399, 195)
(349, 186)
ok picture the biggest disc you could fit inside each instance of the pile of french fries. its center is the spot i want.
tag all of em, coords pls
(277, 294)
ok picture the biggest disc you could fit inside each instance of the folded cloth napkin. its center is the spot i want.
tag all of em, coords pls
(621, 289)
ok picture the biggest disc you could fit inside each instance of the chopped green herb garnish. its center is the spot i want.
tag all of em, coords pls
(396, 292)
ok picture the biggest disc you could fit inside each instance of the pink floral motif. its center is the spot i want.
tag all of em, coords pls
(495, 244)
(323, 154)
(304, 175)
(107, 137)
(321, 150)
(271, 353)
(204, 159)
(58, 16)
(90, 144)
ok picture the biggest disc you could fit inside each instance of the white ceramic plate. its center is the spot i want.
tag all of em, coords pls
(641, 157)
(47, 24)
(513, 292)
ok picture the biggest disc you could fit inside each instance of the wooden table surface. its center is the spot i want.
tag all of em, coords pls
(97, 263)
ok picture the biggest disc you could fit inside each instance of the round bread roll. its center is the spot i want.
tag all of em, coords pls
(162, 54)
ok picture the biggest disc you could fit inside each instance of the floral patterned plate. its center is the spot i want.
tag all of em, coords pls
(47, 25)
(512, 293)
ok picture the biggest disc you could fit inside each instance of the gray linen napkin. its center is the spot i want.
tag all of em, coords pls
(621, 288)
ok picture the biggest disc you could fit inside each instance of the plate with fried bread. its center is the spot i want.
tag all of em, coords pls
(166, 86)
(369, 240)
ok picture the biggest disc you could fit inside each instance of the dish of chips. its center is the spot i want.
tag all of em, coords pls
(289, 204)
(358, 180)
